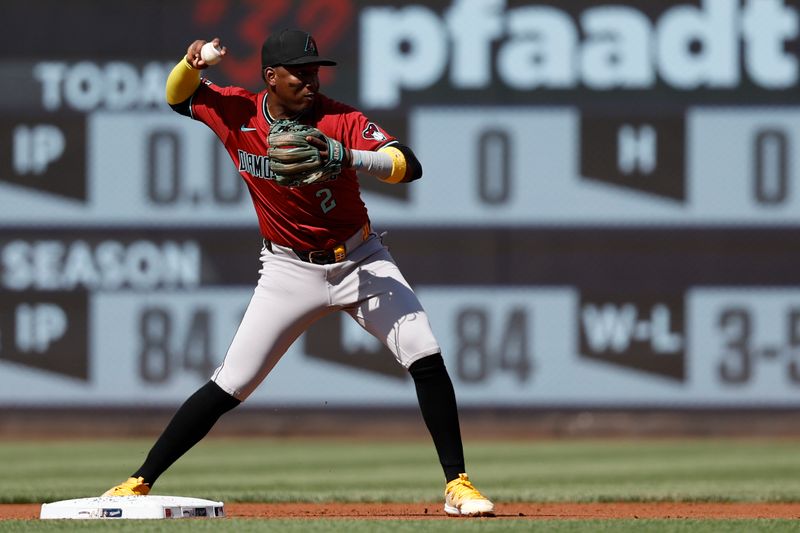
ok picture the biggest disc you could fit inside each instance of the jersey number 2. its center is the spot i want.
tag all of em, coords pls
(327, 202)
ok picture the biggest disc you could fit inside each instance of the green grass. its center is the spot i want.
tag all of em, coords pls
(305, 470)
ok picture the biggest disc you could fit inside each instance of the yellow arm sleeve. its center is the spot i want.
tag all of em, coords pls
(182, 82)
(398, 165)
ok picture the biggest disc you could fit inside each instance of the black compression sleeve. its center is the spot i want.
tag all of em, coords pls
(413, 166)
(191, 423)
(182, 107)
(437, 401)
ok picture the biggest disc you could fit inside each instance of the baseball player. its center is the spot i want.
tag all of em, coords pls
(298, 152)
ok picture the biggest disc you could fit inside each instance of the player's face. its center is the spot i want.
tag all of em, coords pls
(294, 86)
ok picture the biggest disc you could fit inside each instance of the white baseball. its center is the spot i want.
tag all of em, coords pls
(210, 54)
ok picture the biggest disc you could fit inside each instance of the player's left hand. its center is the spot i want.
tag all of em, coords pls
(322, 146)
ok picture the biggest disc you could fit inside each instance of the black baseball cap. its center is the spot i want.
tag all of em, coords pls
(291, 47)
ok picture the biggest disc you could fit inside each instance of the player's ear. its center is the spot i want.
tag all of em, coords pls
(269, 76)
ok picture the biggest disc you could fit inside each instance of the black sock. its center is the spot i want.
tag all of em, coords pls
(437, 401)
(188, 426)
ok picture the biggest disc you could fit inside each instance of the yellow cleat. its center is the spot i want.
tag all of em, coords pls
(461, 498)
(134, 486)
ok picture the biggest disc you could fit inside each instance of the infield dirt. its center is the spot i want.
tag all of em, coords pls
(533, 511)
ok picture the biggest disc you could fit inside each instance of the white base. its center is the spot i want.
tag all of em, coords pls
(133, 507)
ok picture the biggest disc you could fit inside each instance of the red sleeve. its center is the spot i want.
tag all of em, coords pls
(363, 134)
(354, 129)
(221, 108)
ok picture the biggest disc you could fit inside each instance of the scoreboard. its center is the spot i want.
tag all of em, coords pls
(595, 227)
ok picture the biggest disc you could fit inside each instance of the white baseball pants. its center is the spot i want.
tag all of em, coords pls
(292, 294)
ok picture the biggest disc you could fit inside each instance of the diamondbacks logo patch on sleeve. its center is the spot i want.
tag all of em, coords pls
(373, 132)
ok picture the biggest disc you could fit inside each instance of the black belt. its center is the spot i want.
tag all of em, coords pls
(322, 257)
(333, 255)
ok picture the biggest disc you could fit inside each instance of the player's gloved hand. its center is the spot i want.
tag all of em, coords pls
(301, 155)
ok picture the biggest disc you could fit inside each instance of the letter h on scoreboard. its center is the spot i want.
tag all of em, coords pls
(638, 152)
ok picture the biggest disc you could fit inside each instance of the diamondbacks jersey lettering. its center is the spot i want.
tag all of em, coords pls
(313, 217)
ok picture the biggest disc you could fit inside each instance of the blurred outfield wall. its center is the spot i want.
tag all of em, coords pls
(609, 218)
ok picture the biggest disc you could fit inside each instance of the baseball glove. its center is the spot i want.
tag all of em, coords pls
(295, 162)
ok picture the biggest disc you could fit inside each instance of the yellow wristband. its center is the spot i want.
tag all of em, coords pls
(398, 165)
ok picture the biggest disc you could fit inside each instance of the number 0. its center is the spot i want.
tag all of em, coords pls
(163, 167)
(771, 167)
(493, 166)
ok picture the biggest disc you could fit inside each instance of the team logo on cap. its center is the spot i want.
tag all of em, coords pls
(372, 132)
(311, 46)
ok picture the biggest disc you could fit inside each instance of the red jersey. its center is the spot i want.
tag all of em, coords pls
(312, 217)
